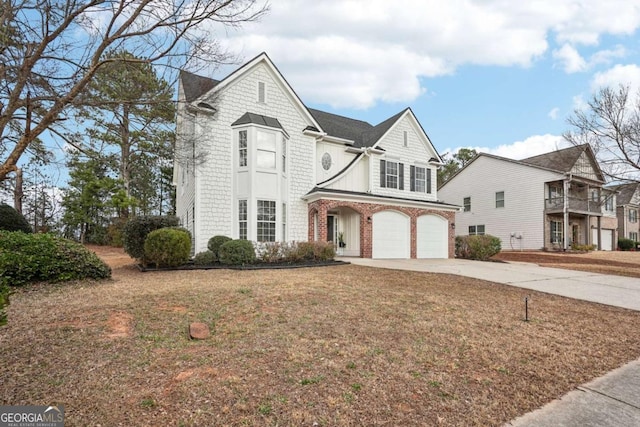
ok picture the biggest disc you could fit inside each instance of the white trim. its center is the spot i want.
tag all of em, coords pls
(364, 198)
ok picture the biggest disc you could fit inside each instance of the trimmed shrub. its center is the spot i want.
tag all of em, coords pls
(626, 244)
(136, 229)
(584, 248)
(12, 220)
(205, 258)
(26, 258)
(4, 302)
(168, 247)
(313, 251)
(476, 247)
(237, 252)
(215, 242)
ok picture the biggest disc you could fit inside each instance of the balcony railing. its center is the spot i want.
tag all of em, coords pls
(576, 204)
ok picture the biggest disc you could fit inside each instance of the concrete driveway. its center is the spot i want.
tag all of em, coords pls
(611, 400)
(605, 289)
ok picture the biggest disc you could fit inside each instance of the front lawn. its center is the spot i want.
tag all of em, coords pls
(336, 346)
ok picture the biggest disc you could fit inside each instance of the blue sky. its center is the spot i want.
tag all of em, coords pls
(498, 76)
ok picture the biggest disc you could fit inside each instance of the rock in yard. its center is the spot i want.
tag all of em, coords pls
(199, 331)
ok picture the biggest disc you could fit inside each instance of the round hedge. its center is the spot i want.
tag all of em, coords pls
(167, 247)
(135, 231)
(12, 220)
(237, 252)
(205, 258)
(215, 243)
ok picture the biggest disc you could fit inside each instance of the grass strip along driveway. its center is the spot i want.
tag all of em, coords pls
(344, 345)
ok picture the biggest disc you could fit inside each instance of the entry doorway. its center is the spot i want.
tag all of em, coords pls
(332, 228)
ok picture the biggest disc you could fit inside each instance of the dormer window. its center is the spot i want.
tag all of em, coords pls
(262, 96)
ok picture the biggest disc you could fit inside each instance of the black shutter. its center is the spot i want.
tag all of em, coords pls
(383, 173)
(428, 180)
(401, 176)
(412, 178)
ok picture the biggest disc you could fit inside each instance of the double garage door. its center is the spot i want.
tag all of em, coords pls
(392, 236)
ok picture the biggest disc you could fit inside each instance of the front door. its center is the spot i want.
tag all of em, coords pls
(332, 224)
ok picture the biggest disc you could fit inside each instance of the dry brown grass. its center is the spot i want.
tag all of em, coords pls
(604, 262)
(342, 345)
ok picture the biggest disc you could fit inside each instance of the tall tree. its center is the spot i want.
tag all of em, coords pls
(610, 124)
(91, 198)
(455, 162)
(51, 50)
(131, 111)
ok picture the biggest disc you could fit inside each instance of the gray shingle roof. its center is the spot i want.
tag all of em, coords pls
(362, 134)
(194, 85)
(559, 160)
(258, 120)
(625, 192)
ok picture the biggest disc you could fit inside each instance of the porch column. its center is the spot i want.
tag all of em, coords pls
(565, 210)
(322, 222)
(599, 233)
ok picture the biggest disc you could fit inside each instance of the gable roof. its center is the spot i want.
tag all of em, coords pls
(194, 86)
(362, 134)
(625, 192)
(559, 160)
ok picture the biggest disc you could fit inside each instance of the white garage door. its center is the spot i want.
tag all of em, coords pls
(607, 239)
(391, 235)
(432, 237)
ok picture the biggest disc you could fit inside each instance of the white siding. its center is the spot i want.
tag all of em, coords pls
(524, 198)
(215, 199)
(416, 153)
(339, 159)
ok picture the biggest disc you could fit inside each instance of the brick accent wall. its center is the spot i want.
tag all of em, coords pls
(366, 211)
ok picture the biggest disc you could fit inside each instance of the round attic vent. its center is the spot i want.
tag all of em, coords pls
(326, 161)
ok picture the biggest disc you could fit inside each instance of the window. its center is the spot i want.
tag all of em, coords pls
(406, 139)
(284, 155)
(266, 150)
(608, 203)
(557, 236)
(261, 92)
(391, 174)
(633, 215)
(476, 230)
(326, 161)
(500, 199)
(242, 219)
(266, 221)
(466, 202)
(242, 148)
(595, 196)
(420, 179)
(633, 236)
(284, 222)
(555, 192)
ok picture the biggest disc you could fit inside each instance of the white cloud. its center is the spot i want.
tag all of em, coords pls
(626, 75)
(532, 146)
(570, 59)
(350, 53)
(553, 114)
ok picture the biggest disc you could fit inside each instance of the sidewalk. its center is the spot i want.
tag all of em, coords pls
(611, 400)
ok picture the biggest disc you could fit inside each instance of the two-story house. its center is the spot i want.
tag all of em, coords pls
(628, 206)
(276, 170)
(553, 200)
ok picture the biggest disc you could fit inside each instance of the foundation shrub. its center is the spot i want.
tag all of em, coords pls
(205, 258)
(480, 247)
(168, 247)
(135, 232)
(216, 242)
(237, 252)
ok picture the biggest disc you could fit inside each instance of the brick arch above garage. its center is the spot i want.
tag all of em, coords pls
(366, 210)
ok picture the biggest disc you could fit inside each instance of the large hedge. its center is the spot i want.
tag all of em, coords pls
(481, 247)
(625, 244)
(168, 247)
(237, 252)
(26, 258)
(12, 220)
(136, 229)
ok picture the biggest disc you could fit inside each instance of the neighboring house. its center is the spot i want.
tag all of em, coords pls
(628, 206)
(549, 201)
(279, 171)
